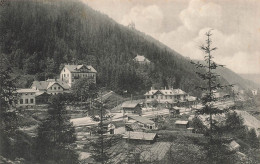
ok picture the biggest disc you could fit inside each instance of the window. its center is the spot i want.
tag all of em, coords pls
(51, 88)
(54, 88)
(31, 101)
(31, 94)
(165, 97)
(58, 87)
(21, 101)
(152, 97)
(26, 101)
(64, 70)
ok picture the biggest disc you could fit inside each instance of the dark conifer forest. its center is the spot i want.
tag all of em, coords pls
(38, 37)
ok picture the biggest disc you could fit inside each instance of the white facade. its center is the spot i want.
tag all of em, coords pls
(51, 86)
(166, 96)
(25, 97)
(55, 89)
(70, 73)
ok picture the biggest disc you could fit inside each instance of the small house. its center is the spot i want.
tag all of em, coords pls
(51, 86)
(141, 60)
(174, 111)
(182, 124)
(132, 107)
(233, 146)
(140, 137)
(25, 97)
(133, 126)
(142, 122)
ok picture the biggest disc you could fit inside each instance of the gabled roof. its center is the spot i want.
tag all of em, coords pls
(26, 90)
(142, 119)
(130, 104)
(151, 92)
(139, 136)
(44, 85)
(76, 68)
(52, 83)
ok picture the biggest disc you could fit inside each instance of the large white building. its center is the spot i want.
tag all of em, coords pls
(167, 96)
(25, 97)
(70, 73)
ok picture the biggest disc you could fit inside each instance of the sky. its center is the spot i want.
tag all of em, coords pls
(182, 24)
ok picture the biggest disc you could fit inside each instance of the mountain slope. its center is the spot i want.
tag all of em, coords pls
(252, 77)
(235, 79)
(40, 36)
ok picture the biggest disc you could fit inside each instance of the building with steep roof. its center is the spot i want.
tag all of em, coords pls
(132, 107)
(182, 124)
(168, 97)
(70, 73)
(141, 60)
(51, 86)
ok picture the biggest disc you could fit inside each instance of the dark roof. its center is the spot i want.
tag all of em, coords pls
(44, 85)
(76, 68)
(142, 119)
(130, 104)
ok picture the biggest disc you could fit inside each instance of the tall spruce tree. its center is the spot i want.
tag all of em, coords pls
(100, 146)
(56, 135)
(211, 77)
(216, 149)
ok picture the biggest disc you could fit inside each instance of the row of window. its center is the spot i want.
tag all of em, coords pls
(78, 75)
(82, 75)
(55, 88)
(26, 101)
(165, 97)
(27, 94)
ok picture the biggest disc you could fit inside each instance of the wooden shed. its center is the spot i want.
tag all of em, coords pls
(182, 124)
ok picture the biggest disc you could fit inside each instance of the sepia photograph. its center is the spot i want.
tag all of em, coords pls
(129, 81)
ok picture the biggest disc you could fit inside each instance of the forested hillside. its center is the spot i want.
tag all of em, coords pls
(236, 79)
(40, 36)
